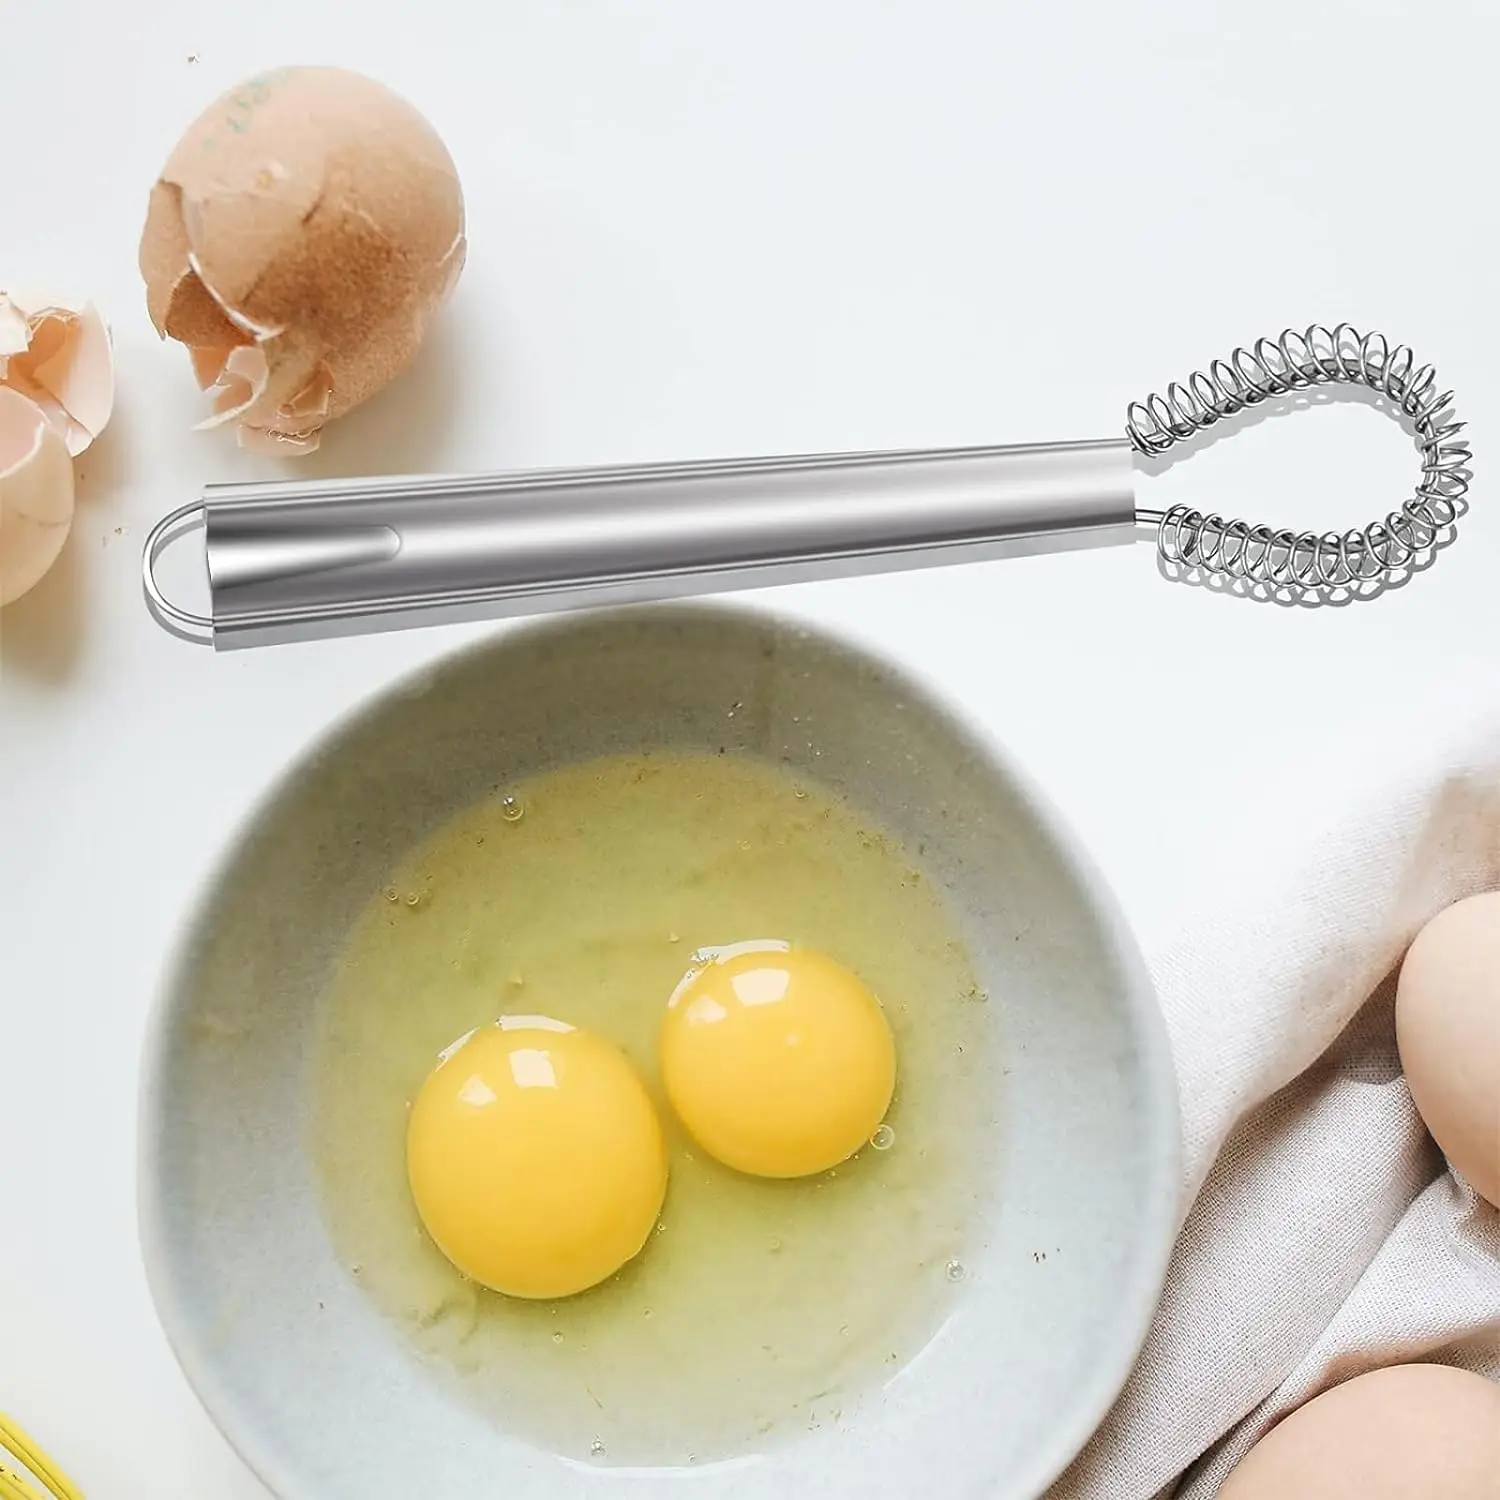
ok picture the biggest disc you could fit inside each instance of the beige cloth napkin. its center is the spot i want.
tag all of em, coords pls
(1323, 1234)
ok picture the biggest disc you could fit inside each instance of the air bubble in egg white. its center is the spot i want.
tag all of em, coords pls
(511, 809)
(883, 1139)
(954, 1270)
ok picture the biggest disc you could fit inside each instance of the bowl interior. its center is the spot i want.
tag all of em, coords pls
(307, 1379)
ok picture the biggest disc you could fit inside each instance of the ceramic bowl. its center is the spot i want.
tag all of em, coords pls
(317, 1390)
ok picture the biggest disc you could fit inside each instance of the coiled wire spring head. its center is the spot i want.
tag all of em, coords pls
(1280, 561)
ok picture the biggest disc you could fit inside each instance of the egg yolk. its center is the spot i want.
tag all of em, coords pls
(536, 1158)
(778, 1060)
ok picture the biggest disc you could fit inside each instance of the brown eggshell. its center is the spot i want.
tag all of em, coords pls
(314, 215)
(1448, 1032)
(1411, 1432)
(56, 351)
(36, 494)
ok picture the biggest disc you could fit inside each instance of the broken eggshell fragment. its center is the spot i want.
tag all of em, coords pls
(36, 494)
(300, 238)
(55, 350)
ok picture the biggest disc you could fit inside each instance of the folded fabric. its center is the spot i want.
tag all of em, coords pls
(1322, 1234)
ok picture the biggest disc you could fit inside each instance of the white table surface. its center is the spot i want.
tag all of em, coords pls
(705, 230)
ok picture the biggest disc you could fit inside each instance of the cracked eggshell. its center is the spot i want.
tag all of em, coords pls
(36, 494)
(299, 240)
(56, 351)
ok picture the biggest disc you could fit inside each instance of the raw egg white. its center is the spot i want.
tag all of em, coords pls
(536, 1159)
(779, 1061)
(741, 1322)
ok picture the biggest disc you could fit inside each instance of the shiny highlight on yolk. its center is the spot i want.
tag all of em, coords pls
(779, 1061)
(536, 1158)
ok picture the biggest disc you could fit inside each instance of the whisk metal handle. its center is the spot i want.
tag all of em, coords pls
(291, 562)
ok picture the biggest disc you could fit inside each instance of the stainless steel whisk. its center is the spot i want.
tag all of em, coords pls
(297, 561)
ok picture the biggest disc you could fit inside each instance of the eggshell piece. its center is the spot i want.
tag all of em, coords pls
(56, 351)
(315, 215)
(79, 373)
(15, 331)
(240, 383)
(164, 257)
(208, 363)
(36, 494)
(1448, 1033)
(1410, 1432)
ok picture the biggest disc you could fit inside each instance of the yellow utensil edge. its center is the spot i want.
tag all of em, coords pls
(16, 1443)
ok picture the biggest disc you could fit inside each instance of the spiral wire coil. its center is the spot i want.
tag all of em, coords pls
(1276, 559)
(17, 1447)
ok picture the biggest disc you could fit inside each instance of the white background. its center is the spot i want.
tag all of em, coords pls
(709, 229)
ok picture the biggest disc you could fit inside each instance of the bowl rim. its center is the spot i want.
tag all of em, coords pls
(1159, 1221)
